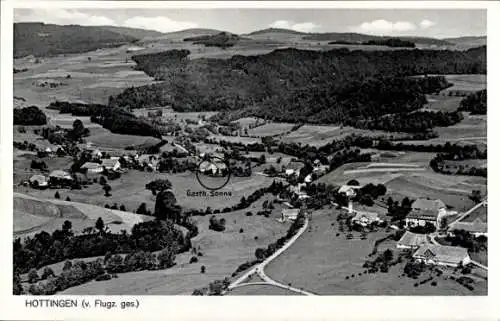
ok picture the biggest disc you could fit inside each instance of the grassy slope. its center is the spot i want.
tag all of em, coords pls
(222, 254)
(319, 262)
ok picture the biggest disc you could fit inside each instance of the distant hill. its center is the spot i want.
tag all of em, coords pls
(134, 32)
(337, 37)
(471, 41)
(187, 33)
(40, 39)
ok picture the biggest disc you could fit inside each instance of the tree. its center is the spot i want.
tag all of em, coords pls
(106, 189)
(122, 208)
(56, 195)
(47, 272)
(203, 269)
(476, 196)
(142, 209)
(33, 276)
(260, 254)
(67, 265)
(390, 202)
(166, 207)
(67, 226)
(353, 182)
(102, 180)
(17, 286)
(68, 199)
(99, 225)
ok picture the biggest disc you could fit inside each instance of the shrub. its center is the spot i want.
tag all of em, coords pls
(248, 213)
(33, 276)
(433, 283)
(56, 195)
(241, 230)
(103, 277)
(47, 272)
(193, 259)
(68, 199)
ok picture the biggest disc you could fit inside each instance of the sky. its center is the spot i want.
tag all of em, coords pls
(437, 23)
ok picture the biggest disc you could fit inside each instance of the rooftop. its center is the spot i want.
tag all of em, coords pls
(453, 254)
(428, 204)
(413, 239)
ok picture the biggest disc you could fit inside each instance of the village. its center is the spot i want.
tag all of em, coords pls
(133, 178)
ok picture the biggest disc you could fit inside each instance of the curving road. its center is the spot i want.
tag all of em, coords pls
(259, 269)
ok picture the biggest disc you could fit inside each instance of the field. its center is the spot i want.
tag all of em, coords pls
(260, 290)
(32, 215)
(235, 247)
(271, 129)
(103, 138)
(442, 103)
(414, 180)
(319, 261)
(107, 72)
(321, 135)
(467, 83)
(22, 164)
(130, 191)
(236, 139)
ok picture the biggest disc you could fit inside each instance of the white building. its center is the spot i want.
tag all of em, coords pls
(442, 255)
(111, 164)
(93, 167)
(366, 218)
(289, 214)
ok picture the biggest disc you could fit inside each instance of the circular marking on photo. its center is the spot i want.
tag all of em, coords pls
(213, 173)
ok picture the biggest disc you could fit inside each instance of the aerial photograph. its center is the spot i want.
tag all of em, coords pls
(263, 152)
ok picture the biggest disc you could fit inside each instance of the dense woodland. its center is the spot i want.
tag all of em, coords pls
(44, 248)
(475, 103)
(337, 86)
(29, 116)
(221, 40)
(391, 42)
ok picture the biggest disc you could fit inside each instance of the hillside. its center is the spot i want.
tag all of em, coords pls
(291, 85)
(468, 41)
(134, 32)
(40, 39)
(182, 34)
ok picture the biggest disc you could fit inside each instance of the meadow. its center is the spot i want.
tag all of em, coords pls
(234, 246)
(319, 261)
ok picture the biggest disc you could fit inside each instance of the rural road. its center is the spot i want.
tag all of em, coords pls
(259, 269)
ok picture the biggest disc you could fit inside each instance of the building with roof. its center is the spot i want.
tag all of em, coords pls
(412, 241)
(59, 177)
(476, 227)
(424, 211)
(366, 218)
(293, 168)
(348, 190)
(111, 164)
(93, 168)
(289, 214)
(442, 255)
(39, 181)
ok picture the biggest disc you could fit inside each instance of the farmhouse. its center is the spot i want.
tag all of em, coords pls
(59, 177)
(476, 227)
(111, 164)
(293, 168)
(412, 241)
(92, 167)
(366, 218)
(348, 190)
(289, 214)
(321, 169)
(425, 210)
(442, 255)
(39, 181)
(95, 153)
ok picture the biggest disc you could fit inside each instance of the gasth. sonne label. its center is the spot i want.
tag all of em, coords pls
(191, 193)
(46, 303)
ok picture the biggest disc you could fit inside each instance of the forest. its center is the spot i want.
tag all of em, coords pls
(336, 86)
(474, 103)
(29, 116)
